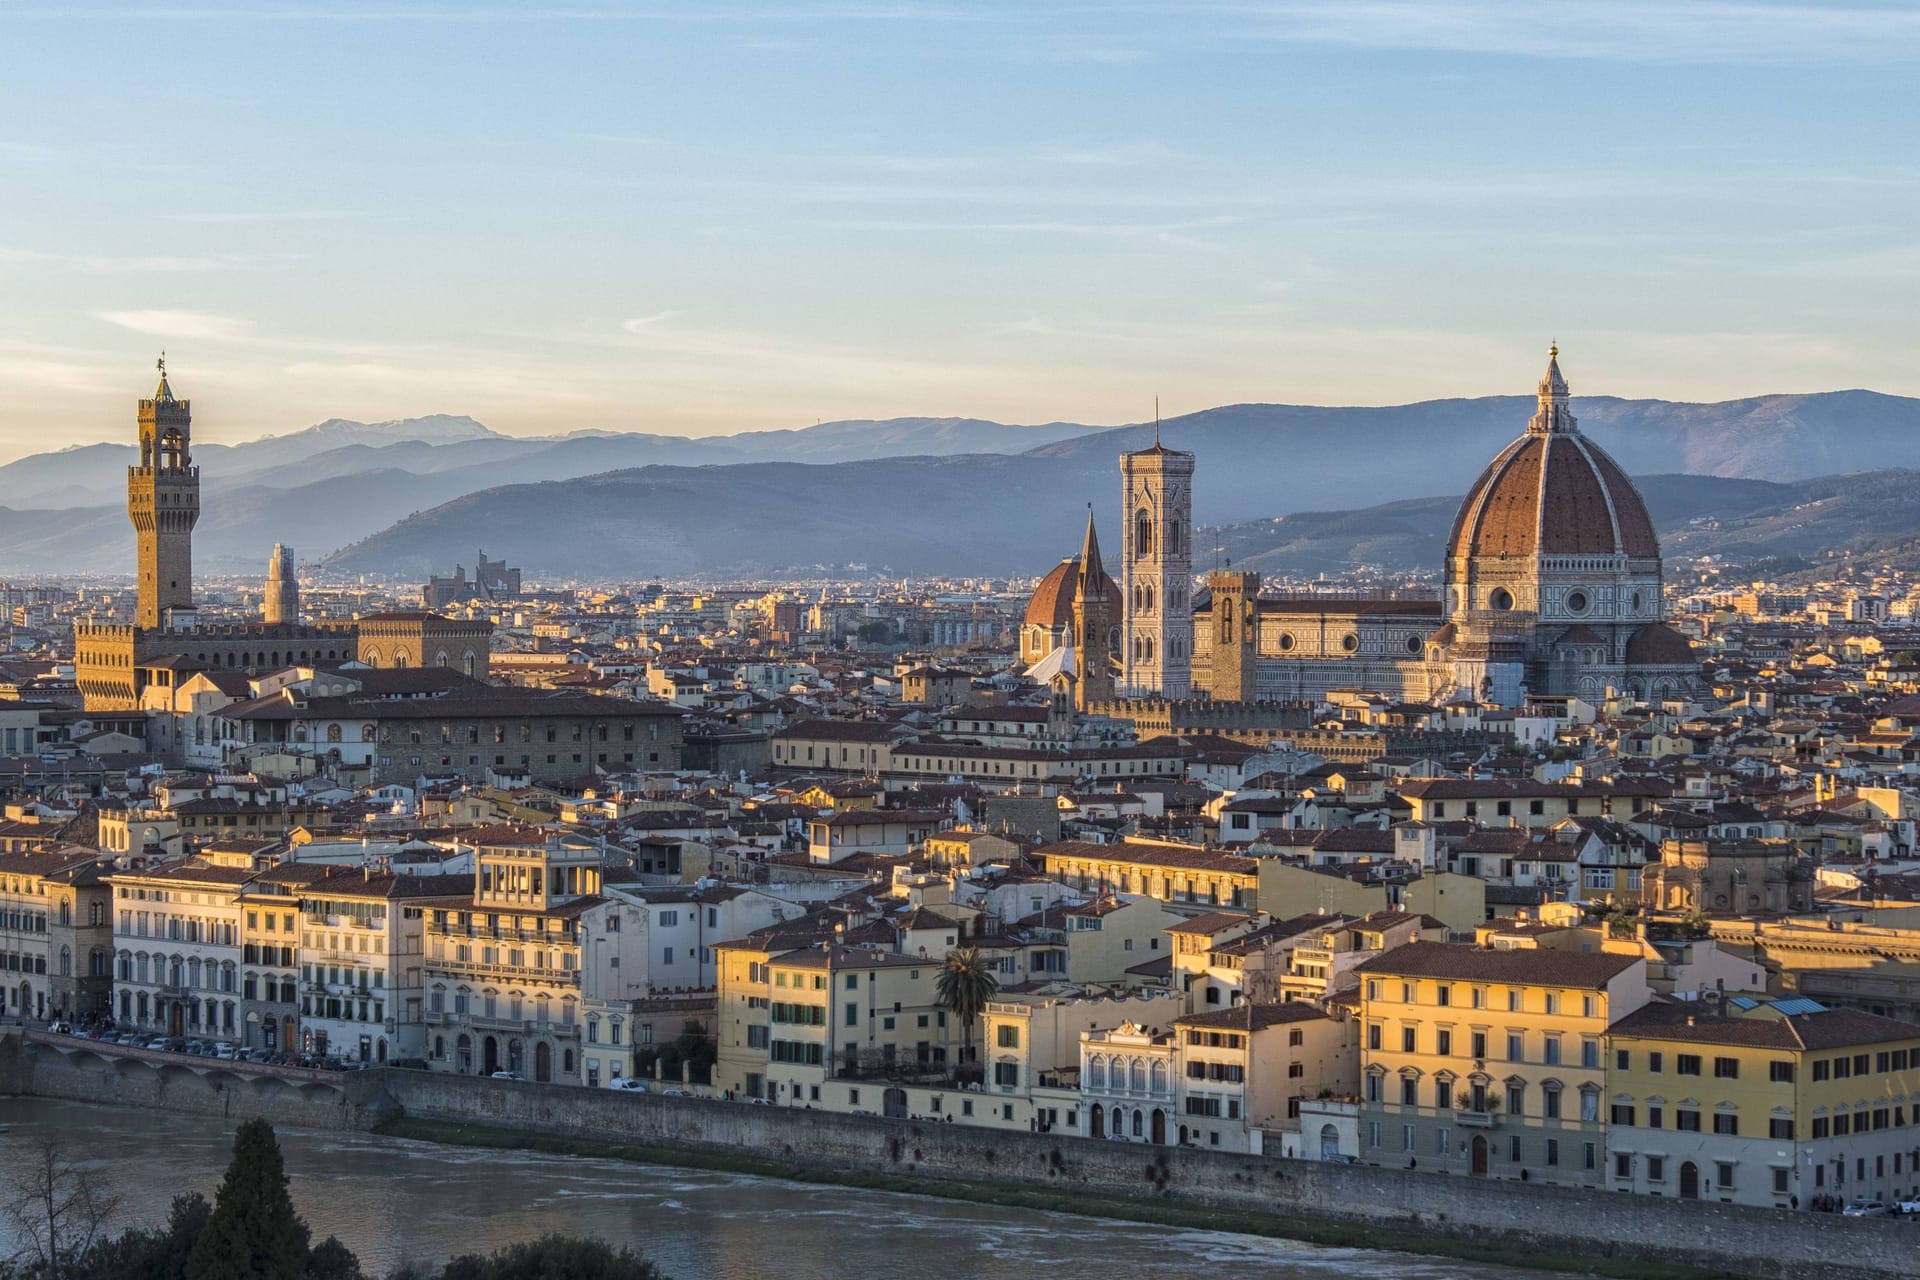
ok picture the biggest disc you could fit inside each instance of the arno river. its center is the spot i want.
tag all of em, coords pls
(390, 1199)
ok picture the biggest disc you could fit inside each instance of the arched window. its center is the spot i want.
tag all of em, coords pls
(1142, 533)
(66, 962)
(468, 664)
(97, 963)
(1137, 1075)
(1096, 1072)
(1159, 1077)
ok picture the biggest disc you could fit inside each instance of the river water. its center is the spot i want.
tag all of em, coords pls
(390, 1199)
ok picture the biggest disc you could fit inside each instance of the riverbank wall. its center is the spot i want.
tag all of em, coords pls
(59, 1067)
(1558, 1226)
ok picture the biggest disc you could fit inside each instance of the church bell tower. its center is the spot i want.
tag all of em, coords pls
(163, 501)
(1156, 496)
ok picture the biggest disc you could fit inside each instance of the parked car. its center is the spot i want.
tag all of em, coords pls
(260, 1056)
(758, 1102)
(508, 1075)
(158, 1042)
(1864, 1208)
(674, 1093)
(631, 1084)
(1910, 1206)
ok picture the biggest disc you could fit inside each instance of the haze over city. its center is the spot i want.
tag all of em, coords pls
(694, 219)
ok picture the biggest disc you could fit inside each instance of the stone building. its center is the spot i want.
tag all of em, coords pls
(1071, 630)
(491, 580)
(508, 966)
(1552, 586)
(280, 601)
(55, 942)
(466, 732)
(1728, 877)
(113, 662)
(1156, 577)
(418, 639)
(163, 501)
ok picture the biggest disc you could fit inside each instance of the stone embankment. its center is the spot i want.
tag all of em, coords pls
(1545, 1222)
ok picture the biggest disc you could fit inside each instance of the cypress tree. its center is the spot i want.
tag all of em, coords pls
(253, 1233)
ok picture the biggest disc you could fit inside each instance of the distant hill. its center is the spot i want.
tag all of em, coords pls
(979, 513)
(339, 484)
(1398, 536)
(992, 515)
(1258, 460)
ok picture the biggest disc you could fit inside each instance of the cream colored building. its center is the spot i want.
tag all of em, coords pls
(1244, 1072)
(176, 937)
(1491, 1063)
(1033, 1044)
(362, 965)
(509, 965)
(1780, 1105)
(1127, 1084)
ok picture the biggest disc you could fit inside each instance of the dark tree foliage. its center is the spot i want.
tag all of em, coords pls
(553, 1258)
(253, 1233)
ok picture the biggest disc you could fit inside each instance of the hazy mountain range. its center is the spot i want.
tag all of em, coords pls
(961, 495)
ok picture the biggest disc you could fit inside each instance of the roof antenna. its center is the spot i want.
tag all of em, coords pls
(1156, 422)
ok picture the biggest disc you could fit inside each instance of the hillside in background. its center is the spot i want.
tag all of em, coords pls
(993, 515)
(1359, 480)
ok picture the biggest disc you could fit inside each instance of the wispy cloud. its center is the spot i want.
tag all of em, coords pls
(266, 215)
(638, 323)
(1041, 226)
(202, 325)
(105, 264)
(1640, 30)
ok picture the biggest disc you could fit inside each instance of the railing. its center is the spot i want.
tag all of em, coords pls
(522, 973)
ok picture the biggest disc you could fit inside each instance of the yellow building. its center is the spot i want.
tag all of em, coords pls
(1781, 1104)
(832, 1027)
(1288, 890)
(1491, 1062)
(1183, 876)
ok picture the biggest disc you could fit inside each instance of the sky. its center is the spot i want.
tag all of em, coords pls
(697, 218)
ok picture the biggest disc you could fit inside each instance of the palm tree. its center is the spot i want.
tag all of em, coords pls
(964, 987)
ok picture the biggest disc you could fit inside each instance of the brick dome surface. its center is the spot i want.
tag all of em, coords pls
(1552, 494)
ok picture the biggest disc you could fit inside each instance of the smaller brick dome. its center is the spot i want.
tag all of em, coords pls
(1659, 645)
